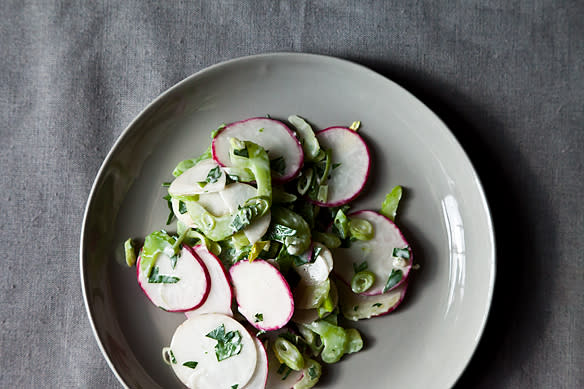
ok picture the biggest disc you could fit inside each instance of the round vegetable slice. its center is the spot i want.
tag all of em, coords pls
(387, 255)
(284, 150)
(263, 295)
(350, 165)
(175, 284)
(220, 295)
(213, 351)
(358, 306)
(260, 375)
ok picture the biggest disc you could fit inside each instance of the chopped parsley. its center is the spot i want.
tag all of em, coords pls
(214, 175)
(259, 317)
(402, 253)
(285, 370)
(191, 364)
(169, 204)
(261, 130)
(312, 373)
(182, 207)
(355, 308)
(241, 153)
(278, 165)
(234, 386)
(228, 343)
(394, 278)
(336, 165)
(173, 260)
(279, 232)
(156, 278)
(165, 184)
(376, 305)
(362, 266)
(172, 358)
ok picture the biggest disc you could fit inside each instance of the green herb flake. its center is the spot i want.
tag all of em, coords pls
(285, 370)
(394, 278)
(241, 153)
(169, 204)
(278, 165)
(214, 175)
(279, 232)
(217, 131)
(165, 184)
(401, 252)
(182, 207)
(202, 184)
(228, 343)
(172, 358)
(234, 386)
(259, 317)
(156, 278)
(336, 165)
(261, 130)
(376, 305)
(173, 260)
(362, 266)
(312, 373)
(355, 125)
(355, 308)
(191, 364)
(391, 202)
(281, 368)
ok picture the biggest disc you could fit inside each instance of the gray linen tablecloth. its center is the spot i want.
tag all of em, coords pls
(506, 76)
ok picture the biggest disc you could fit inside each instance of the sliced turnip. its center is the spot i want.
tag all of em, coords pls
(317, 271)
(220, 295)
(235, 195)
(357, 306)
(177, 288)
(205, 177)
(274, 136)
(387, 255)
(213, 351)
(260, 375)
(263, 295)
(350, 164)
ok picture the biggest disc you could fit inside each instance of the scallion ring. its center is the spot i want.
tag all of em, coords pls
(361, 229)
(362, 281)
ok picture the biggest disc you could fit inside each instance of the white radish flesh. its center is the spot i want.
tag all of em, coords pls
(357, 306)
(350, 164)
(377, 253)
(318, 270)
(235, 195)
(220, 295)
(260, 375)
(263, 295)
(190, 343)
(194, 180)
(190, 282)
(274, 136)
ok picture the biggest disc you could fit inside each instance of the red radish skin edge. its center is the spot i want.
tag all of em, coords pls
(406, 271)
(289, 291)
(292, 134)
(193, 250)
(207, 279)
(343, 202)
(401, 299)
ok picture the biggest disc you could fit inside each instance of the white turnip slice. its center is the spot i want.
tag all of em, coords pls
(358, 306)
(263, 295)
(177, 288)
(235, 195)
(213, 351)
(260, 375)
(387, 255)
(274, 136)
(220, 295)
(205, 177)
(350, 164)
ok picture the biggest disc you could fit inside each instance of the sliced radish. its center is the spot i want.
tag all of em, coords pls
(198, 354)
(350, 161)
(235, 195)
(212, 202)
(260, 375)
(184, 287)
(377, 253)
(274, 136)
(205, 177)
(318, 270)
(220, 295)
(280, 377)
(307, 316)
(263, 295)
(357, 306)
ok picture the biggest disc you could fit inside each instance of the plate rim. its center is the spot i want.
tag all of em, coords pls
(319, 58)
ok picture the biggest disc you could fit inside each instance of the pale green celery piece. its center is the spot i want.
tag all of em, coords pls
(130, 252)
(391, 202)
(327, 167)
(341, 224)
(300, 242)
(239, 240)
(259, 164)
(309, 142)
(355, 342)
(362, 281)
(311, 338)
(326, 307)
(314, 294)
(304, 181)
(286, 352)
(322, 193)
(154, 244)
(311, 374)
(361, 229)
(213, 227)
(279, 196)
(329, 240)
(335, 340)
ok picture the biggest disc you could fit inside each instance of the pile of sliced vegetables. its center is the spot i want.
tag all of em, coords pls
(267, 258)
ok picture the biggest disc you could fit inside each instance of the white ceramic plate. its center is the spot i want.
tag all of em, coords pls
(427, 342)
